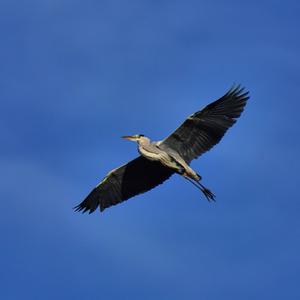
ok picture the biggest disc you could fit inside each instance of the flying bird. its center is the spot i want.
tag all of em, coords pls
(158, 161)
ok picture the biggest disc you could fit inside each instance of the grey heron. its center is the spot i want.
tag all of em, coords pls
(158, 161)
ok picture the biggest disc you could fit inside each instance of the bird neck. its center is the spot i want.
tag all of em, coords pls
(144, 141)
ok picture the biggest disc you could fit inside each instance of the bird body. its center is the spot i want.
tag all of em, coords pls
(152, 151)
(158, 161)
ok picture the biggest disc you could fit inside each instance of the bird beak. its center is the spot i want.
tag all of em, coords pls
(129, 137)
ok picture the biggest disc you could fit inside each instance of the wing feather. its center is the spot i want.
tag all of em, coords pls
(135, 177)
(205, 128)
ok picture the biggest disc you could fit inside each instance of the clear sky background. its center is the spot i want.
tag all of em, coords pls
(77, 75)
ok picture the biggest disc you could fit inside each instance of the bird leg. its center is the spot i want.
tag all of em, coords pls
(210, 196)
(207, 193)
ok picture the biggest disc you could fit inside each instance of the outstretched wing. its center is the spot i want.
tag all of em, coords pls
(135, 177)
(205, 128)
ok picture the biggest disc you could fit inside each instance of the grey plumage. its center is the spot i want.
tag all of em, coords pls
(160, 160)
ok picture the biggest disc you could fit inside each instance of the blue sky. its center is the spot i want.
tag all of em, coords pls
(77, 75)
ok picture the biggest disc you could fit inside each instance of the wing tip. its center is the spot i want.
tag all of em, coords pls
(84, 207)
(237, 90)
(80, 208)
(83, 210)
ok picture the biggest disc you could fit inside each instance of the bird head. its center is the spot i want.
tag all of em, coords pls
(134, 138)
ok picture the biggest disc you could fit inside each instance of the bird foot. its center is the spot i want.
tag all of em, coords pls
(208, 194)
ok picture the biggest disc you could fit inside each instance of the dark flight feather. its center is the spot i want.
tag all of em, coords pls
(137, 176)
(205, 128)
